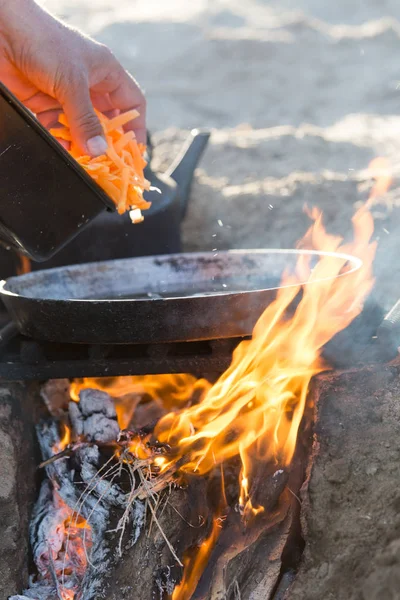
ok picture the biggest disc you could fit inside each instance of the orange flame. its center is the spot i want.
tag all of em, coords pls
(245, 503)
(66, 439)
(69, 539)
(168, 391)
(259, 401)
(195, 563)
(254, 410)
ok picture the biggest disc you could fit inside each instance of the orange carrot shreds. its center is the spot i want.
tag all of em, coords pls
(62, 119)
(84, 160)
(123, 141)
(117, 160)
(119, 172)
(124, 190)
(121, 120)
(62, 133)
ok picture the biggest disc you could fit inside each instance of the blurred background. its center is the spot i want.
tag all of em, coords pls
(300, 96)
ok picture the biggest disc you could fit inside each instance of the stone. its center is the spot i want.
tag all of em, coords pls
(351, 500)
(19, 457)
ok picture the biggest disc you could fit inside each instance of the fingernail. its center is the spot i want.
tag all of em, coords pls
(97, 145)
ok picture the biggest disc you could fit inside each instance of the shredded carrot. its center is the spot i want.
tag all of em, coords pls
(121, 120)
(62, 133)
(119, 172)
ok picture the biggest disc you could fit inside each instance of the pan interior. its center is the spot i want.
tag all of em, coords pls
(162, 277)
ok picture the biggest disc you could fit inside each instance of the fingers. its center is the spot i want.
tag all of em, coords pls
(49, 118)
(101, 102)
(40, 102)
(124, 94)
(86, 129)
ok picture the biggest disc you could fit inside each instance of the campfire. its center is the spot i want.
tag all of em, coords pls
(173, 486)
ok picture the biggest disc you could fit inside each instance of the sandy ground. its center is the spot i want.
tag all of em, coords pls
(300, 97)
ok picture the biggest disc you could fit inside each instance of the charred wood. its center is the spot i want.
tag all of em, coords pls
(147, 569)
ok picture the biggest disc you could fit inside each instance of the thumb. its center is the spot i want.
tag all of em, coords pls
(86, 129)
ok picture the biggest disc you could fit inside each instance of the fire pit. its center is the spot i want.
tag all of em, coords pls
(181, 486)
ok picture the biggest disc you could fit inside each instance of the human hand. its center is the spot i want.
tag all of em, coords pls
(53, 68)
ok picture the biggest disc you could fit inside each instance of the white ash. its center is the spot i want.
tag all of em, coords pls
(36, 592)
(95, 401)
(94, 417)
(46, 514)
(110, 494)
(59, 494)
(165, 583)
(138, 516)
(77, 483)
(60, 471)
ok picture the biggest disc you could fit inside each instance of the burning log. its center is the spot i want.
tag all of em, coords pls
(89, 532)
(351, 502)
(248, 557)
(147, 569)
(95, 417)
(71, 516)
(259, 559)
(84, 497)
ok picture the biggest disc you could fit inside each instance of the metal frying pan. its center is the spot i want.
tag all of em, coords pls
(179, 297)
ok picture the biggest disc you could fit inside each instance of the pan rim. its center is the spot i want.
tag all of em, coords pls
(353, 260)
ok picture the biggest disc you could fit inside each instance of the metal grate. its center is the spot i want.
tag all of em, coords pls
(26, 359)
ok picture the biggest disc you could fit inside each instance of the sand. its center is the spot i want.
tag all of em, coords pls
(300, 96)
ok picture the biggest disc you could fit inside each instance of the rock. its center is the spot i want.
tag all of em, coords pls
(338, 471)
(18, 460)
(351, 501)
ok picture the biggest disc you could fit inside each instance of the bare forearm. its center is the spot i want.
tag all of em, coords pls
(52, 67)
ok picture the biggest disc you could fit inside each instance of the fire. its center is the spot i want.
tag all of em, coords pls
(65, 555)
(195, 563)
(255, 408)
(168, 391)
(66, 439)
(245, 503)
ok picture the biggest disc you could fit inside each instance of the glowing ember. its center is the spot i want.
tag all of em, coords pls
(68, 544)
